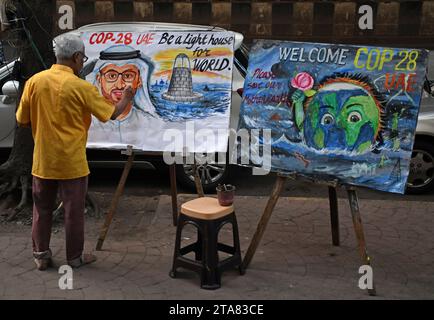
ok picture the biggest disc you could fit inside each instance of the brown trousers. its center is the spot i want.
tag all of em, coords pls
(73, 194)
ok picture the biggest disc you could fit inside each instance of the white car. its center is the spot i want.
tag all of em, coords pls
(211, 175)
(9, 93)
(421, 178)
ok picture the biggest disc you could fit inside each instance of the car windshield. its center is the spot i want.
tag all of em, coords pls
(429, 80)
(241, 59)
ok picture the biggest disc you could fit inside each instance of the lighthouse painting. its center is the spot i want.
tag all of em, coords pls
(181, 80)
(181, 84)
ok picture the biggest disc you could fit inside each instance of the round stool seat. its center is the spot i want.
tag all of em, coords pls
(205, 208)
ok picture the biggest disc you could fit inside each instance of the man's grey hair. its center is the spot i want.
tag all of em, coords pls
(66, 45)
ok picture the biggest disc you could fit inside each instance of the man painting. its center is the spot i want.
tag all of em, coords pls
(58, 106)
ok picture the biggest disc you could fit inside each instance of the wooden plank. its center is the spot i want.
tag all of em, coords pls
(358, 228)
(174, 193)
(334, 215)
(274, 197)
(115, 200)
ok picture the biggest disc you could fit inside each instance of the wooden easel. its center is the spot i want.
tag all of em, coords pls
(197, 181)
(355, 212)
(120, 189)
(121, 185)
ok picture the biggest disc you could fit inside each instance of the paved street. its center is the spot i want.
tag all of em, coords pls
(295, 259)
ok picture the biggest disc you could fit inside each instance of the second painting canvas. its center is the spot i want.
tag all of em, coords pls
(335, 112)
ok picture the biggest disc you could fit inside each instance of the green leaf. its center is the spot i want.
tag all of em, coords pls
(309, 93)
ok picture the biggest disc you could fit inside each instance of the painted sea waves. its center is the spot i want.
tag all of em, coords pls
(336, 111)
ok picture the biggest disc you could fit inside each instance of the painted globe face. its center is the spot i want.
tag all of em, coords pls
(341, 116)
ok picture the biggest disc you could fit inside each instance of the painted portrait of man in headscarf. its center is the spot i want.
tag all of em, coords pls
(113, 79)
(120, 66)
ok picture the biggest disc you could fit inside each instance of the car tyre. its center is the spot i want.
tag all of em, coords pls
(421, 173)
(211, 175)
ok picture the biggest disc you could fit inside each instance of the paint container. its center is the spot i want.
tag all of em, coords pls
(225, 194)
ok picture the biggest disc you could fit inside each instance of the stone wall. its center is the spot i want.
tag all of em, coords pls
(399, 23)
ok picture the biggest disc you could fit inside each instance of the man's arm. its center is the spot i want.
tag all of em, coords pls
(99, 106)
(22, 114)
(24, 125)
(127, 96)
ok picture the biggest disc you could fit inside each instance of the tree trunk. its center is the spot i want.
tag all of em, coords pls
(36, 45)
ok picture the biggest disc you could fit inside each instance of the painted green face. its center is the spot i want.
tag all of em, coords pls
(341, 116)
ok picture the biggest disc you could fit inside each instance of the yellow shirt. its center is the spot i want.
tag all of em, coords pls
(59, 105)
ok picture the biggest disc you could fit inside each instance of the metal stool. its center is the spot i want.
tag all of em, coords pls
(208, 217)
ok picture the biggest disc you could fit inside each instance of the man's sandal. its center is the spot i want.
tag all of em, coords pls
(43, 260)
(85, 258)
(43, 264)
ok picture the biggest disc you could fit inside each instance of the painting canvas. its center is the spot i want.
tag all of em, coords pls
(335, 112)
(182, 85)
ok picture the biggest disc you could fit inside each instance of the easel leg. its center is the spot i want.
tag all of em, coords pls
(278, 186)
(174, 193)
(115, 200)
(358, 228)
(334, 215)
(197, 181)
